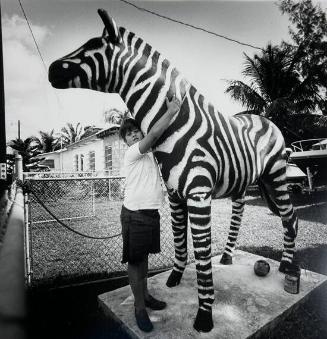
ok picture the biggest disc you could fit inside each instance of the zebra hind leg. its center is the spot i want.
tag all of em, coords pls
(278, 192)
(236, 220)
(179, 226)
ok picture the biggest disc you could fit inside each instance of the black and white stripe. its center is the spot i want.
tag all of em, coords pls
(203, 154)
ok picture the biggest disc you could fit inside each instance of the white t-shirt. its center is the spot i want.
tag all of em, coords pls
(142, 185)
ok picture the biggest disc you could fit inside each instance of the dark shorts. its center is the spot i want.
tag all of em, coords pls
(141, 234)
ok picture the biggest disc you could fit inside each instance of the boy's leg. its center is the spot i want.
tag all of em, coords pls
(136, 281)
(149, 300)
(145, 278)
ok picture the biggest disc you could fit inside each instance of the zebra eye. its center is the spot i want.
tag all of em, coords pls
(65, 65)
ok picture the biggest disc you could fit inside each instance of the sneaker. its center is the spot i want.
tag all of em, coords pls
(155, 304)
(143, 321)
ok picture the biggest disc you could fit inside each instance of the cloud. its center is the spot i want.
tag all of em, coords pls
(29, 96)
(16, 28)
(24, 73)
(23, 67)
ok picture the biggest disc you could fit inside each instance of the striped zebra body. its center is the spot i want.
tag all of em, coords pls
(203, 154)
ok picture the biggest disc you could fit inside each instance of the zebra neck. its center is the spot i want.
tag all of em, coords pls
(149, 89)
(144, 78)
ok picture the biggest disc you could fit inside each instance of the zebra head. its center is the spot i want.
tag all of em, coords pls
(89, 65)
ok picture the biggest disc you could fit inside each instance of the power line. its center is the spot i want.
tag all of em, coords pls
(189, 25)
(39, 51)
(30, 28)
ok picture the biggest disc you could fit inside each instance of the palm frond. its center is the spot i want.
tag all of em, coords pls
(246, 95)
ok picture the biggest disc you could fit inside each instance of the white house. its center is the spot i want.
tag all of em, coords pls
(102, 151)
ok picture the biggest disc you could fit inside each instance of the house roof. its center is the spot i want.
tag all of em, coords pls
(49, 153)
(111, 129)
(108, 131)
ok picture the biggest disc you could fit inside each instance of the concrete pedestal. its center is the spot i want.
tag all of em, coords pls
(245, 304)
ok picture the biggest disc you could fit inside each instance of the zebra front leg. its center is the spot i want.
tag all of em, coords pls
(199, 208)
(179, 218)
(236, 220)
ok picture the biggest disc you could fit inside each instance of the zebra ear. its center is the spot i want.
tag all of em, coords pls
(110, 26)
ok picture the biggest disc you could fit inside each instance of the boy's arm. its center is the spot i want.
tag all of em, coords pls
(160, 126)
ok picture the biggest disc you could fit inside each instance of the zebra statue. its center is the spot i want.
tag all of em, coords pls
(203, 155)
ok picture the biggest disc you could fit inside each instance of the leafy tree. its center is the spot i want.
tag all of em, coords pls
(27, 148)
(89, 130)
(290, 78)
(309, 47)
(275, 89)
(48, 142)
(274, 86)
(115, 116)
(70, 133)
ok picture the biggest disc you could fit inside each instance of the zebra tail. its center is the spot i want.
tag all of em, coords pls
(264, 192)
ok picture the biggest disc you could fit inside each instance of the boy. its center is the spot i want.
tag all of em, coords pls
(139, 216)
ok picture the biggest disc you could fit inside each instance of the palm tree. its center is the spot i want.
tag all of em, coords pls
(70, 133)
(275, 86)
(115, 116)
(27, 149)
(48, 142)
(90, 130)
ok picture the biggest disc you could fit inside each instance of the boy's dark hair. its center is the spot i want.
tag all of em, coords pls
(126, 126)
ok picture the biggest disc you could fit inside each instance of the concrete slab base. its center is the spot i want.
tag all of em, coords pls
(245, 304)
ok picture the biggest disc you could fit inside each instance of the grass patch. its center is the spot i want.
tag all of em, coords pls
(60, 256)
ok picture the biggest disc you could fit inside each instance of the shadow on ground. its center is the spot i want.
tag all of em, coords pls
(311, 207)
(71, 313)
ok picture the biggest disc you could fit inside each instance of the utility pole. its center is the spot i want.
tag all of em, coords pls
(3, 150)
(18, 129)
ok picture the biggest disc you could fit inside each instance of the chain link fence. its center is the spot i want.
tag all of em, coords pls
(62, 216)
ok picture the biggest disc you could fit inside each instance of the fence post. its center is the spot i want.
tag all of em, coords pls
(93, 197)
(18, 166)
(27, 238)
(109, 188)
(310, 181)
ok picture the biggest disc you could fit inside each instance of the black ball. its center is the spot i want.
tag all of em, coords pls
(261, 268)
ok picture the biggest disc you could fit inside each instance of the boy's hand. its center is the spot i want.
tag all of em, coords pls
(173, 106)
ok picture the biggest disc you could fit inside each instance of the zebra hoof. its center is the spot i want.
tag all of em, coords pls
(287, 267)
(174, 279)
(203, 321)
(226, 259)
(284, 266)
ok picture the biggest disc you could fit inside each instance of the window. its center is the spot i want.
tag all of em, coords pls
(82, 162)
(48, 162)
(108, 158)
(92, 161)
(76, 163)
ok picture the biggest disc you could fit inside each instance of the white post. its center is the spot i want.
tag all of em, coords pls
(93, 197)
(28, 254)
(309, 175)
(18, 166)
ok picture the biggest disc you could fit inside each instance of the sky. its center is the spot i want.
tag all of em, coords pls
(61, 26)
